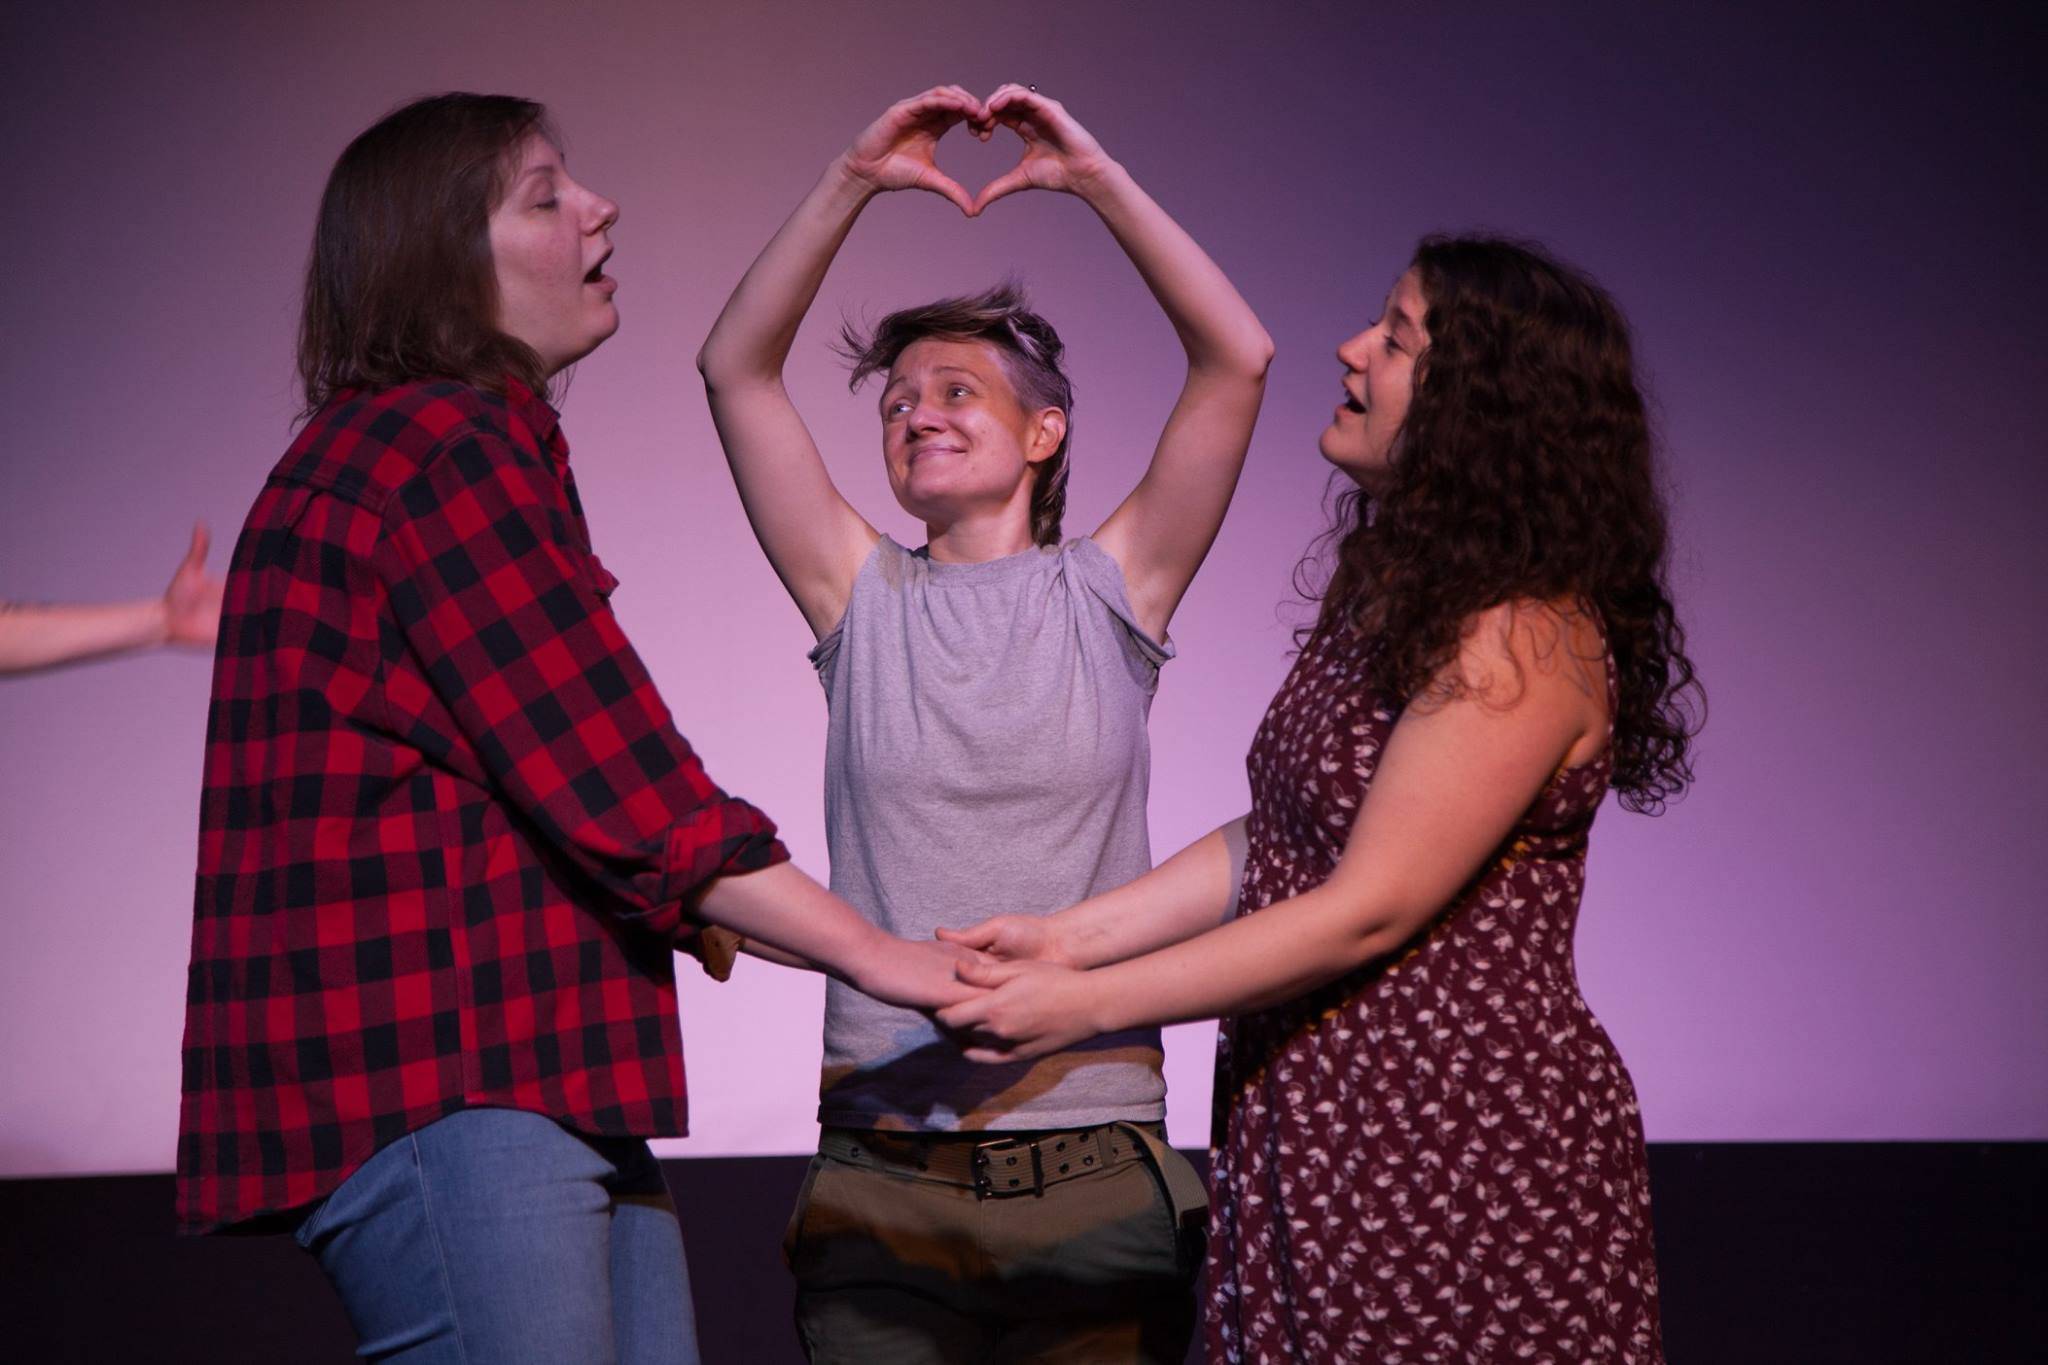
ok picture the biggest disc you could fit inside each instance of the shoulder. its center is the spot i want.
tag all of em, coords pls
(368, 445)
(1093, 572)
(1528, 650)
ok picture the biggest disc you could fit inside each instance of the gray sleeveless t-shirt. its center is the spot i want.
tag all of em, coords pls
(986, 755)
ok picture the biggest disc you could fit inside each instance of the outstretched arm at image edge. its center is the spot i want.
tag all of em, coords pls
(34, 635)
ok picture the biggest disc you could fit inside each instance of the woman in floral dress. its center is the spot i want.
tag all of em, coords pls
(1426, 1148)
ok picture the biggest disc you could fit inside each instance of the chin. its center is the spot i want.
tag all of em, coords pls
(1331, 445)
(1361, 471)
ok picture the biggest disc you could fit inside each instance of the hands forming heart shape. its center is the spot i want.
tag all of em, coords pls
(896, 151)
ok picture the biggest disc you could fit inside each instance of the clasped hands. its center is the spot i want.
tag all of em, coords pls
(897, 151)
(1031, 1000)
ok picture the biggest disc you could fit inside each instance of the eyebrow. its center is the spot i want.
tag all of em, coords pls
(936, 369)
(531, 171)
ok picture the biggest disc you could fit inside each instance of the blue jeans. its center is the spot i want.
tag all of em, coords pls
(497, 1235)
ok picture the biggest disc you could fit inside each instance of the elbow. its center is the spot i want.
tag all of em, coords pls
(1382, 930)
(725, 372)
(1259, 354)
(1246, 360)
(710, 365)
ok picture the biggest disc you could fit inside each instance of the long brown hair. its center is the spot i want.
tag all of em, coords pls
(1525, 470)
(400, 286)
(1030, 350)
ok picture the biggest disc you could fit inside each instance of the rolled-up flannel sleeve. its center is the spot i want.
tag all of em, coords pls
(503, 608)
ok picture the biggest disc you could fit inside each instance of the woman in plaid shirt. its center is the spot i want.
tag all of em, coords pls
(450, 837)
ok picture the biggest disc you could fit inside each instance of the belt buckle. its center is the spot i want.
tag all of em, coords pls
(984, 1182)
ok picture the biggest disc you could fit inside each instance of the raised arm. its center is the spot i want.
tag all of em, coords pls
(812, 536)
(1454, 778)
(1163, 530)
(33, 635)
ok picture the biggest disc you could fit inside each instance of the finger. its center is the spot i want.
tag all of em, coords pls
(1016, 97)
(924, 97)
(938, 182)
(940, 103)
(991, 1056)
(201, 542)
(987, 972)
(964, 1016)
(1008, 183)
(973, 936)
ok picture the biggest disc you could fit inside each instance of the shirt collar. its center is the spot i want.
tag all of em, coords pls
(539, 417)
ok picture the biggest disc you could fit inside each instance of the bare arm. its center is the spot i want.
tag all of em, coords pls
(805, 925)
(34, 636)
(1163, 530)
(812, 536)
(1192, 892)
(1453, 780)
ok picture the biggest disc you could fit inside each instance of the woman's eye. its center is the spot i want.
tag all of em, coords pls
(546, 204)
(957, 391)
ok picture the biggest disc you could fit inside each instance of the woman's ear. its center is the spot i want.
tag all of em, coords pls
(1048, 431)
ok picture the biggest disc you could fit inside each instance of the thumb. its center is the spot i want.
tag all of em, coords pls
(938, 182)
(195, 557)
(983, 972)
(1008, 183)
(973, 936)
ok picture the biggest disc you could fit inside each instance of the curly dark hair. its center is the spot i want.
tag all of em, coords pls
(1525, 471)
(1031, 352)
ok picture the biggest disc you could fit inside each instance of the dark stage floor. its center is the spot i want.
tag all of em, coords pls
(1795, 1253)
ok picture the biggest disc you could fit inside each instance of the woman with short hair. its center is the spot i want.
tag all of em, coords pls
(987, 696)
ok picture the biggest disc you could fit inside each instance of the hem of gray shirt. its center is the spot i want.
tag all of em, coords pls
(894, 1122)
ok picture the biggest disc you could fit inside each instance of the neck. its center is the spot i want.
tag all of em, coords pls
(976, 540)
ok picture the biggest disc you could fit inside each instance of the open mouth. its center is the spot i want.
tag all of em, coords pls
(595, 275)
(1352, 404)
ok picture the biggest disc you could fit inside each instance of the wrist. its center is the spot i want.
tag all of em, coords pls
(845, 184)
(1099, 181)
(1102, 1010)
(1064, 947)
(865, 954)
(156, 623)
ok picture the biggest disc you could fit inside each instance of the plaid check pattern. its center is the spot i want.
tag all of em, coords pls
(447, 824)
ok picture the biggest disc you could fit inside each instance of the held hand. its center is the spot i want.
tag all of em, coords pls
(1012, 938)
(1059, 154)
(895, 152)
(1028, 1010)
(193, 601)
(919, 975)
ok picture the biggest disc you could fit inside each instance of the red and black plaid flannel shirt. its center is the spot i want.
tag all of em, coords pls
(447, 825)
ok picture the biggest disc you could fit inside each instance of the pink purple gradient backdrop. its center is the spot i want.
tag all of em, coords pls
(1825, 227)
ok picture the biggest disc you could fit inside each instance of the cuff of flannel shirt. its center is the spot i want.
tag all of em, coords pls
(724, 837)
(714, 948)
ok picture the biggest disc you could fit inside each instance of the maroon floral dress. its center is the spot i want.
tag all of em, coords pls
(1436, 1158)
